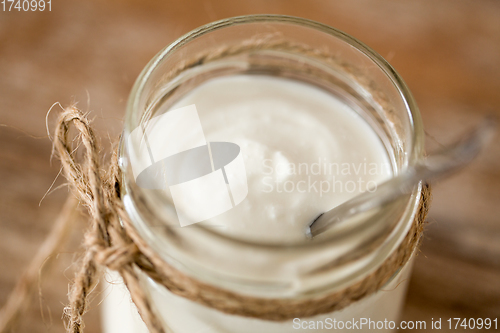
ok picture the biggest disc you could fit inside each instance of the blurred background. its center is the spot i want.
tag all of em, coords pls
(90, 52)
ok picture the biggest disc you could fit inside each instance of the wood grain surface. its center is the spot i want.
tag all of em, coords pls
(448, 52)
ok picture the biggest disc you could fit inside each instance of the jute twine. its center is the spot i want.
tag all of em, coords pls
(113, 242)
(118, 247)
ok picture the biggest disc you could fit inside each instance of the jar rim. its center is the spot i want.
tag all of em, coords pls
(416, 146)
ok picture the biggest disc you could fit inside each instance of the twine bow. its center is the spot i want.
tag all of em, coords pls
(113, 242)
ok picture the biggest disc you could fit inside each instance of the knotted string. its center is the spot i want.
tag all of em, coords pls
(120, 248)
(112, 241)
(107, 242)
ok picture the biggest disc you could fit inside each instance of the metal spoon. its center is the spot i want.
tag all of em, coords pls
(437, 165)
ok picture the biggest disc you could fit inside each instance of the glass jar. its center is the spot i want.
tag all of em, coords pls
(297, 49)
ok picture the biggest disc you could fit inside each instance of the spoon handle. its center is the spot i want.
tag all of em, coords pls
(437, 165)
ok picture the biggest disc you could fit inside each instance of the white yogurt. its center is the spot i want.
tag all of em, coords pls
(304, 152)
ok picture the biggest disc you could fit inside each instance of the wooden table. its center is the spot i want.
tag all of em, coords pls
(90, 52)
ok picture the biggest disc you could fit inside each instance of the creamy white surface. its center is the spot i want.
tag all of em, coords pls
(290, 128)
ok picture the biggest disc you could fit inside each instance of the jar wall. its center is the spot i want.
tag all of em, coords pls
(184, 316)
